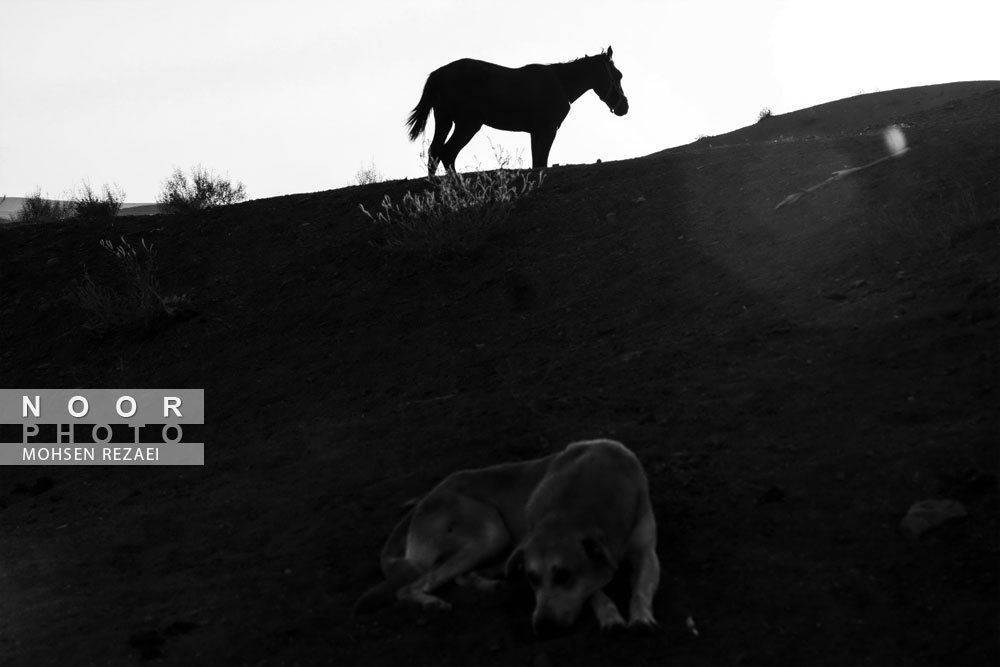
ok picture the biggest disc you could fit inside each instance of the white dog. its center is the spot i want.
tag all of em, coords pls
(566, 520)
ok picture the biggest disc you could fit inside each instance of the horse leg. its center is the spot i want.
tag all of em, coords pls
(442, 126)
(541, 143)
(462, 136)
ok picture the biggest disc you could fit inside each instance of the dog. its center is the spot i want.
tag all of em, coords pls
(566, 521)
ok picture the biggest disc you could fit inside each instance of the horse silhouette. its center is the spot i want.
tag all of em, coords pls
(535, 98)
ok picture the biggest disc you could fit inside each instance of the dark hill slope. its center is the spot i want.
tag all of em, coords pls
(944, 104)
(792, 379)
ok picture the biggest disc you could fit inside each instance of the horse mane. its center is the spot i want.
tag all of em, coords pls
(575, 60)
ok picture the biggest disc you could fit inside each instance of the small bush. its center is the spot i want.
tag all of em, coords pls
(456, 216)
(87, 205)
(205, 190)
(39, 210)
(504, 158)
(368, 175)
(764, 114)
(134, 302)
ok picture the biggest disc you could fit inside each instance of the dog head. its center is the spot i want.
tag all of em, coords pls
(564, 570)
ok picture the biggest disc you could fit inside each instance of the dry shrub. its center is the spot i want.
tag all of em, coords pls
(134, 302)
(456, 216)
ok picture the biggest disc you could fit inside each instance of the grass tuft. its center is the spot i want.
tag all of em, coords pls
(134, 303)
(456, 216)
(368, 175)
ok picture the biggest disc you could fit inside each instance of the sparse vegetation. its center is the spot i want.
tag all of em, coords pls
(954, 215)
(37, 209)
(368, 175)
(134, 302)
(203, 191)
(456, 216)
(504, 158)
(764, 114)
(88, 205)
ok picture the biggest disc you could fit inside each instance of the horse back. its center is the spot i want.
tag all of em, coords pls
(502, 97)
(471, 67)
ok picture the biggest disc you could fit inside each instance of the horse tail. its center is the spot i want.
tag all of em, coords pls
(397, 569)
(418, 117)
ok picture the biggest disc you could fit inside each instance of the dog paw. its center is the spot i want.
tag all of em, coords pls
(614, 630)
(643, 621)
(611, 622)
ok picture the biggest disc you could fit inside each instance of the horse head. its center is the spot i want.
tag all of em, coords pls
(610, 81)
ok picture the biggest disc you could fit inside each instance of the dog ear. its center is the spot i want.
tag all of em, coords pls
(598, 553)
(515, 564)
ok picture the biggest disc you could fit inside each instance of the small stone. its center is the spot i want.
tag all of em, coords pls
(927, 514)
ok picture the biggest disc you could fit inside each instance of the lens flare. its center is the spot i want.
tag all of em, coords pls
(895, 140)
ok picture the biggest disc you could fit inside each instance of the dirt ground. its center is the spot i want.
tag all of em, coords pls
(793, 381)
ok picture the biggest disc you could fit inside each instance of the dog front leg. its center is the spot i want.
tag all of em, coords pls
(478, 582)
(645, 579)
(605, 610)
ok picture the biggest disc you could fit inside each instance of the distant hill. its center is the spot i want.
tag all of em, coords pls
(12, 205)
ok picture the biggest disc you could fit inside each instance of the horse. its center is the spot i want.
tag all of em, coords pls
(535, 98)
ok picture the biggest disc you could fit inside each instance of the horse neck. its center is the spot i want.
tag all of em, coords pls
(575, 77)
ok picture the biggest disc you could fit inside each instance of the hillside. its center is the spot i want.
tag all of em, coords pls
(793, 380)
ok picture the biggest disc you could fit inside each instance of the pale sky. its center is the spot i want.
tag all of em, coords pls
(295, 96)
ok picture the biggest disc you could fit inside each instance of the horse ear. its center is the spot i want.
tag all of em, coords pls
(609, 53)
